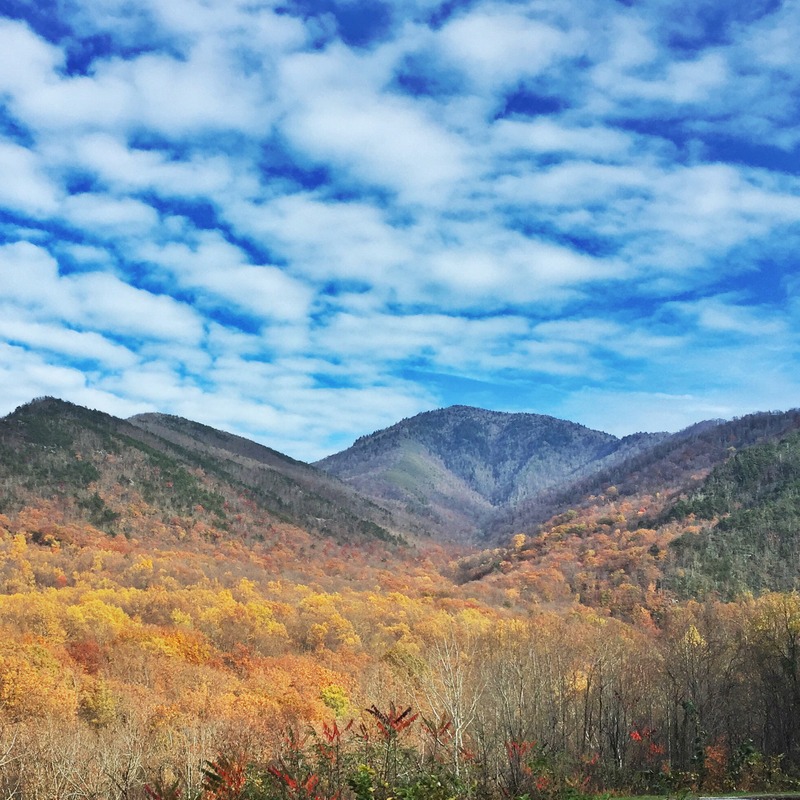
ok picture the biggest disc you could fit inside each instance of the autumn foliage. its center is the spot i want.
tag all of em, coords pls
(199, 646)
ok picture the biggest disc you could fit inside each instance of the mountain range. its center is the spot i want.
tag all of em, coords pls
(456, 474)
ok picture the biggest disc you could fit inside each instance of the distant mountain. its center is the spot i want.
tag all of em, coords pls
(666, 464)
(459, 468)
(712, 511)
(96, 467)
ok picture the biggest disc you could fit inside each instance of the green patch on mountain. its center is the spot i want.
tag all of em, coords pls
(748, 511)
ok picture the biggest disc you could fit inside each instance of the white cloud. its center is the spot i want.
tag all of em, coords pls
(683, 82)
(63, 104)
(205, 91)
(496, 46)
(200, 93)
(251, 28)
(214, 266)
(722, 315)
(112, 305)
(326, 239)
(29, 277)
(716, 207)
(182, 22)
(128, 169)
(79, 345)
(25, 186)
(104, 214)
(158, 385)
(639, 341)
(380, 140)
(445, 340)
(87, 254)
(374, 136)
(577, 184)
(277, 406)
(549, 136)
(435, 261)
(772, 40)
(25, 59)
(495, 267)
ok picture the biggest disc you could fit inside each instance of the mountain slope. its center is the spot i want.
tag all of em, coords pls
(458, 467)
(310, 497)
(748, 511)
(666, 464)
(96, 468)
(713, 510)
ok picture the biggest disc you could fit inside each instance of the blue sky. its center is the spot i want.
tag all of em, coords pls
(303, 221)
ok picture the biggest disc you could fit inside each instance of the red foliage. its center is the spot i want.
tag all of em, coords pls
(224, 778)
(87, 653)
(392, 722)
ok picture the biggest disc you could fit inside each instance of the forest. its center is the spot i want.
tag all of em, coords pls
(165, 634)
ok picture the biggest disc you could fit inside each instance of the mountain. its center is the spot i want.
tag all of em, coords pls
(667, 464)
(712, 511)
(458, 468)
(748, 514)
(96, 467)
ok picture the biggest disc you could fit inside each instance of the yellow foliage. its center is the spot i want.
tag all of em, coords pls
(335, 698)
(693, 638)
(98, 706)
(325, 625)
(473, 621)
(93, 618)
(185, 645)
(19, 546)
(39, 614)
(181, 618)
(34, 684)
(579, 682)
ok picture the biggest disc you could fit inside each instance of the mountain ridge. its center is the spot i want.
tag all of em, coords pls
(457, 474)
(486, 460)
(88, 459)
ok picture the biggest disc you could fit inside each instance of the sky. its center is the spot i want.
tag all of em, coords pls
(303, 221)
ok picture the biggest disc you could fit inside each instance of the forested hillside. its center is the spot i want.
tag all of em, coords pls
(675, 464)
(459, 467)
(748, 514)
(171, 627)
(95, 467)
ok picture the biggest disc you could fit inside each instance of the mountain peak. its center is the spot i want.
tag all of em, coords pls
(475, 460)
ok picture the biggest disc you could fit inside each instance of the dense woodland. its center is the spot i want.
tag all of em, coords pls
(166, 631)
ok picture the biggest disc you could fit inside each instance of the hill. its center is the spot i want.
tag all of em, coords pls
(711, 511)
(664, 466)
(95, 468)
(459, 468)
(748, 514)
